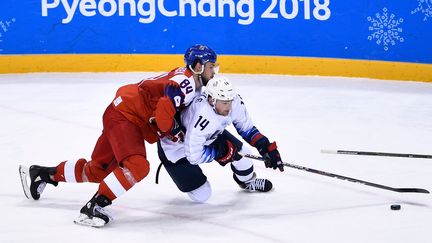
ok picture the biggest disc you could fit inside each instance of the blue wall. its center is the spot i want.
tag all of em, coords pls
(391, 30)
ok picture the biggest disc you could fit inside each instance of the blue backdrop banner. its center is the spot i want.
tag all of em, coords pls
(390, 30)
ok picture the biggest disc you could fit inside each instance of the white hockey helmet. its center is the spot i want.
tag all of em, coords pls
(220, 88)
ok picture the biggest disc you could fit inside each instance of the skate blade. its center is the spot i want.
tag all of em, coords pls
(24, 174)
(84, 220)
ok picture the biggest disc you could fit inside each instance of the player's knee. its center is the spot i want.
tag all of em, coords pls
(94, 171)
(138, 165)
(201, 194)
(244, 163)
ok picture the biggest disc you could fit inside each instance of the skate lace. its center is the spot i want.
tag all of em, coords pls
(257, 184)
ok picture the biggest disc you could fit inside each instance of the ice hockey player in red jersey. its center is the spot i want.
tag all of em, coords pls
(139, 112)
(207, 140)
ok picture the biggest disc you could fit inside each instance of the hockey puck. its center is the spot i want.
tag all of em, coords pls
(395, 207)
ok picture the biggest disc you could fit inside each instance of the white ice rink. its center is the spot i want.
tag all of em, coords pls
(49, 118)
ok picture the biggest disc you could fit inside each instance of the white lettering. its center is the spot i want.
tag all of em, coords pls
(322, 7)
(112, 7)
(268, 12)
(307, 9)
(88, 8)
(295, 9)
(149, 9)
(46, 6)
(163, 10)
(212, 8)
(221, 8)
(70, 10)
(132, 7)
(150, 14)
(192, 4)
(249, 14)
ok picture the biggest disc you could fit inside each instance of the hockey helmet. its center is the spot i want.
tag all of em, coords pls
(200, 53)
(220, 88)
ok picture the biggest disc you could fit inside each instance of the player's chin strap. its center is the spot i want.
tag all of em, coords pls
(198, 73)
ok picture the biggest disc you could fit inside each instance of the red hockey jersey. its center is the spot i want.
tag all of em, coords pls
(159, 97)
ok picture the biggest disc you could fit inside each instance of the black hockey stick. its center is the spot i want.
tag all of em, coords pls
(345, 178)
(351, 152)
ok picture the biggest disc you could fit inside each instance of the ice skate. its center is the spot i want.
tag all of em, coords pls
(39, 177)
(93, 213)
(254, 184)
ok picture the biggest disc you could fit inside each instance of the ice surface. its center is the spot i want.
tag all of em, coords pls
(49, 118)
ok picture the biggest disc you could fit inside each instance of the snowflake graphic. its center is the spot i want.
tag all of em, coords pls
(385, 29)
(424, 6)
(4, 27)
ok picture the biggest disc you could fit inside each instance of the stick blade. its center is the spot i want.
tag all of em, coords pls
(412, 190)
(24, 175)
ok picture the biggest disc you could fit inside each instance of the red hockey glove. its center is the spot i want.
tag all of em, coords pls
(272, 156)
(176, 134)
(227, 152)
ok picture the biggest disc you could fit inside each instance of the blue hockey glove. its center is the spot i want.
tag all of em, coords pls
(271, 155)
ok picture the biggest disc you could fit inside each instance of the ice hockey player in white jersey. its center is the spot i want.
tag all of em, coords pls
(207, 140)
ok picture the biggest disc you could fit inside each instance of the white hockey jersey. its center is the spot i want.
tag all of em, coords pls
(203, 126)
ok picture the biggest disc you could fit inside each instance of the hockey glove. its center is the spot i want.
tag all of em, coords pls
(176, 134)
(227, 152)
(271, 155)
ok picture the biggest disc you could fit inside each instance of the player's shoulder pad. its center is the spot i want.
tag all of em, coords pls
(180, 71)
(201, 98)
(178, 78)
(179, 75)
(198, 102)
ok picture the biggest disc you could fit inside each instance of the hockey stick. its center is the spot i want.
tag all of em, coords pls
(351, 152)
(340, 177)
